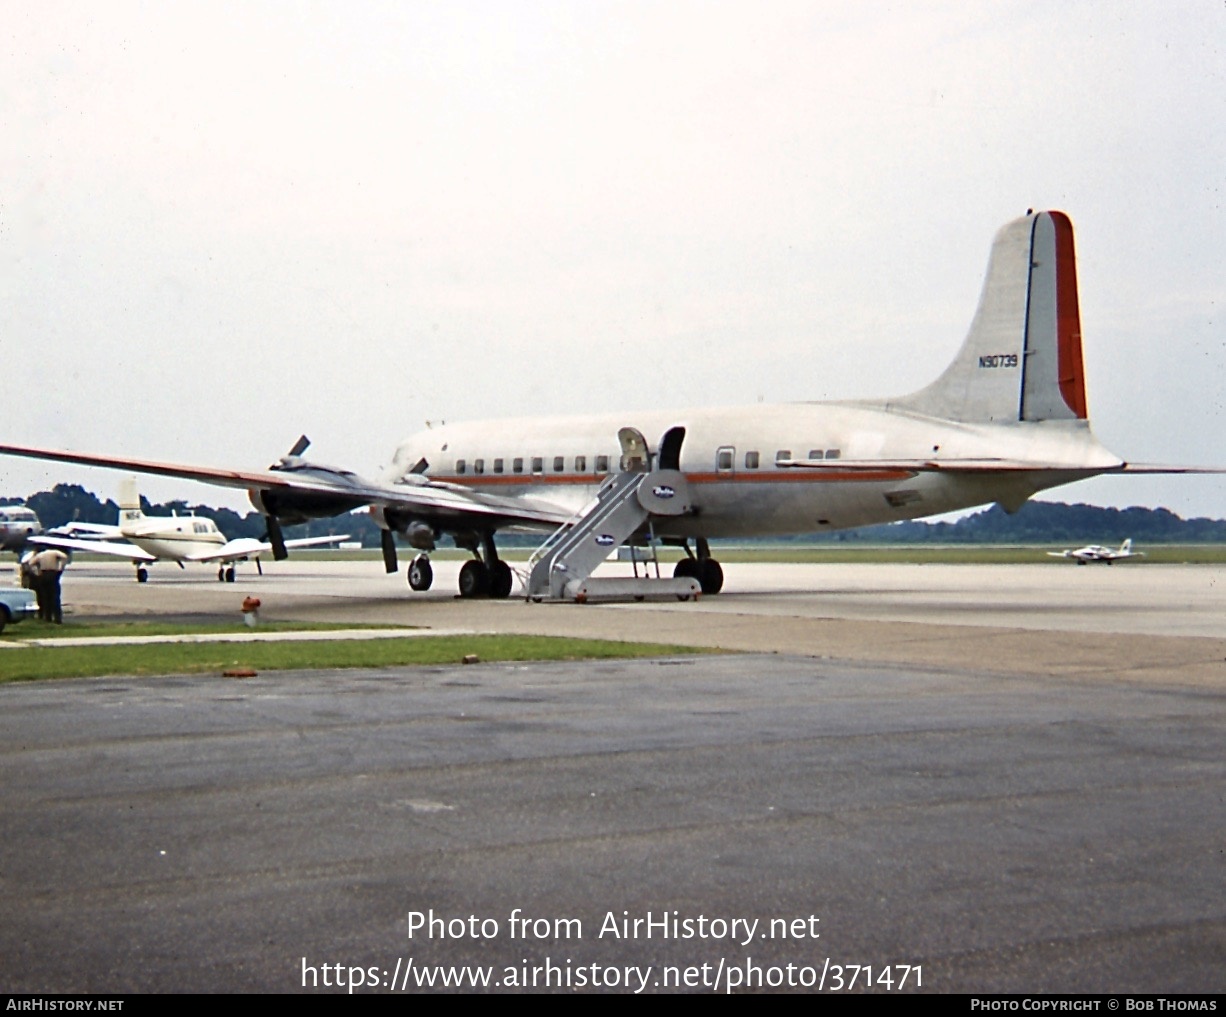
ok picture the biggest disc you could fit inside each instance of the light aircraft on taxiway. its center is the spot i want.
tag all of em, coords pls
(1006, 419)
(1098, 553)
(143, 539)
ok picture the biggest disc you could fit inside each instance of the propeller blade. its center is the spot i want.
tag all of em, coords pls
(276, 538)
(389, 551)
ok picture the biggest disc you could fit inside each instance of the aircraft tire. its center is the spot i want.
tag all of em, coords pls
(142, 575)
(474, 579)
(501, 580)
(420, 574)
(230, 574)
(687, 568)
(711, 578)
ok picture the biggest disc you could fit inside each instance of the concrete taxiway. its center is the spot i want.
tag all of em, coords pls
(1008, 778)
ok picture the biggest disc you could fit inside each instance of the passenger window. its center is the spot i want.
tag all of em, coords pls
(460, 466)
(497, 465)
(782, 456)
(478, 466)
(602, 464)
(517, 465)
(538, 464)
(559, 464)
(815, 453)
(832, 453)
(751, 460)
(581, 464)
(723, 459)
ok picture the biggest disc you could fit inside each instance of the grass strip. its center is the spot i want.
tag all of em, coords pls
(34, 629)
(38, 662)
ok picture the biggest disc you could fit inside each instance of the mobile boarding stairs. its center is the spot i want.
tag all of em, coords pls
(561, 568)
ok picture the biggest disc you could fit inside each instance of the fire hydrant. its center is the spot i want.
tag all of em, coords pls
(251, 611)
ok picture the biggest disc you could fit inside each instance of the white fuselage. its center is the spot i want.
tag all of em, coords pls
(729, 458)
(174, 538)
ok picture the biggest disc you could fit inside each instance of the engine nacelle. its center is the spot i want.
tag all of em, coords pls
(292, 507)
(420, 535)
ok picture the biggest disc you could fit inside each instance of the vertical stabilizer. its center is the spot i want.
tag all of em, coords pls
(1021, 360)
(129, 501)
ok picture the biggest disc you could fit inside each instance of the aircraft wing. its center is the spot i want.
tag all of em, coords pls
(113, 548)
(242, 548)
(315, 541)
(296, 486)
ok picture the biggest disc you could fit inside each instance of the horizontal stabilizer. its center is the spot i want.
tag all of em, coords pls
(1161, 468)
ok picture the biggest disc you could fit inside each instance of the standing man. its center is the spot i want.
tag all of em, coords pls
(47, 567)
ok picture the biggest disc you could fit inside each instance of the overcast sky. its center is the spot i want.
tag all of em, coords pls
(223, 225)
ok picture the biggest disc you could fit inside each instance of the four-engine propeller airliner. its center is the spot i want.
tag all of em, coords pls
(1006, 419)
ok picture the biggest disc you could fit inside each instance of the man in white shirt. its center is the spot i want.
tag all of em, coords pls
(46, 568)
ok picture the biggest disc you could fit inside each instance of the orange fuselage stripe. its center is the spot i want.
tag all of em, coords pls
(772, 477)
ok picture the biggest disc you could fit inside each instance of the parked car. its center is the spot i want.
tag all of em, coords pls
(16, 605)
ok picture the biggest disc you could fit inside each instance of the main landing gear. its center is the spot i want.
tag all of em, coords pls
(226, 574)
(704, 568)
(486, 575)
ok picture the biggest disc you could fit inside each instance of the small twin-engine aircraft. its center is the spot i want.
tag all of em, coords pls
(1006, 419)
(1098, 553)
(144, 539)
